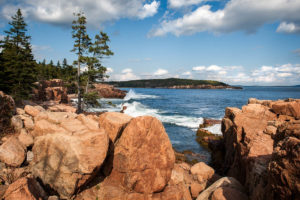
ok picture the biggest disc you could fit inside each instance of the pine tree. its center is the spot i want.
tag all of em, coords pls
(81, 45)
(18, 66)
(99, 50)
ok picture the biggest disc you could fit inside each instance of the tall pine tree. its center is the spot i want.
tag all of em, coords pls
(17, 62)
(81, 45)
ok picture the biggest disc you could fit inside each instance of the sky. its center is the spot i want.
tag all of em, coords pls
(239, 42)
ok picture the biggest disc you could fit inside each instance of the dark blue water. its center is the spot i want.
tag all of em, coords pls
(182, 110)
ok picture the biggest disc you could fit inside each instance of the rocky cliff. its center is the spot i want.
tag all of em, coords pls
(261, 143)
(108, 91)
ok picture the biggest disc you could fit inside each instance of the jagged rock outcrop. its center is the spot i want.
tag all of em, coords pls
(51, 90)
(7, 110)
(248, 142)
(108, 91)
(284, 168)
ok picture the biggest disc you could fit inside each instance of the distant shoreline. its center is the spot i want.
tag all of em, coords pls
(172, 83)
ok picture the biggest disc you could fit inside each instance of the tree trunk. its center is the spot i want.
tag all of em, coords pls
(87, 85)
(79, 110)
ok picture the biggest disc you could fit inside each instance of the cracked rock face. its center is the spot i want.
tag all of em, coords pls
(143, 156)
(67, 162)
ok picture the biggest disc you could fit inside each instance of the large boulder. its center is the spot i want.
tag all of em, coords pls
(68, 150)
(66, 162)
(12, 152)
(7, 109)
(114, 123)
(143, 156)
(202, 171)
(25, 189)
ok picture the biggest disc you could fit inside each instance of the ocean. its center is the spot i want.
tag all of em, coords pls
(182, 110)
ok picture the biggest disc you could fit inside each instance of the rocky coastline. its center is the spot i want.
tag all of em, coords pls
(57, 154)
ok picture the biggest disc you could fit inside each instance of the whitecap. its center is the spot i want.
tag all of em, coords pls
(215, 129)
(132, 95)
(136, 109)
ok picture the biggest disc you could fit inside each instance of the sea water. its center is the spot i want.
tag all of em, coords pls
(183, 110)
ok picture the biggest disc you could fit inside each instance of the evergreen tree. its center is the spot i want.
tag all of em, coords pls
(17, 62)
(98, 50)
(81, 45)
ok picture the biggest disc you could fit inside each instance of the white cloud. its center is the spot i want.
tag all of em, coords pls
(187, 73)
(127, 70)
(160, 72)
(97, 12)
(149, 10)
(199, 68)
(2, 37)
(237, 15)
(288, 28)
(127, 74)
(214, 68)
(287, 74)
(183, 3)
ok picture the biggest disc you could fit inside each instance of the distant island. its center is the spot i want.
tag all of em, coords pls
(173, 83)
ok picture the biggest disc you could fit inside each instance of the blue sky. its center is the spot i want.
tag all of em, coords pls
(240, 42)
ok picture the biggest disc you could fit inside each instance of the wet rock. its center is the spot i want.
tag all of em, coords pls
(204, 137)
(209, 122)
